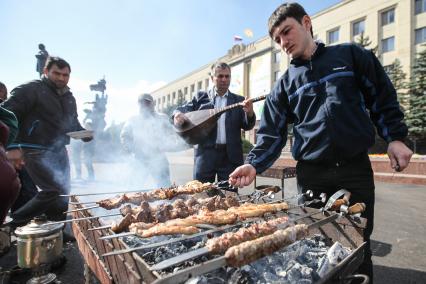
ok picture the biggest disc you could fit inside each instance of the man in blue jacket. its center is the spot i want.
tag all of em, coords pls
(46, 111)
(332, 96)
(221, 152)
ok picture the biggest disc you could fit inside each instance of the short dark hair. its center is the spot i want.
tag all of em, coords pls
(219, 65)
(2, 86)
(55, 60)
(284, 11)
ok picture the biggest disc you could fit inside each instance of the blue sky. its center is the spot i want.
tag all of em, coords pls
(137, 45)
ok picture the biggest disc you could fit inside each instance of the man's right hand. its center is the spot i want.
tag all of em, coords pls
(242, 176)
(179, 119)
(15, 157)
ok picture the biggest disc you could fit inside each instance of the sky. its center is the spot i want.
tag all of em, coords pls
(138, 45)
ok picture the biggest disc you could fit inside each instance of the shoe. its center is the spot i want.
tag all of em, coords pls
(67, 238)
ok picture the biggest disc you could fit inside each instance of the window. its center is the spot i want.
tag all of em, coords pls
(200, 85)
(388, 44)
(174, 95)
(164, 99)
(358, 27)
(420, 6)
(277, 57)
(168, 98)
(421, 35)
(206, 83)
(388, 17)
(333, 36)
(185, 91)
(192, 88)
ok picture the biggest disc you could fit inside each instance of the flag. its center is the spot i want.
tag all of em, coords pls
(248, 32)
(237, 38)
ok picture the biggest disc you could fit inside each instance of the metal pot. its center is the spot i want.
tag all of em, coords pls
(39, 243)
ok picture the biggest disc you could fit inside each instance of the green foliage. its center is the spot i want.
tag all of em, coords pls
(170, 108)
(247, 146)
(398, 78)
(416, 116)
(365, 42)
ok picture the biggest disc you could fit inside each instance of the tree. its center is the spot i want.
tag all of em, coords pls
(365, 42)
(416, 116)
(398, 78)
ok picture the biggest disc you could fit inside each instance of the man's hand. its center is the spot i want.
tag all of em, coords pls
(248, 107)
(399, 155)
(243, 175)
(179, 119)
(15, 157)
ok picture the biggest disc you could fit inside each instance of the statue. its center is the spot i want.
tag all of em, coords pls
(97, 113)
(41, 58)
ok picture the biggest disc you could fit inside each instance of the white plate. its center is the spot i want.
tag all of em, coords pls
(80, 134)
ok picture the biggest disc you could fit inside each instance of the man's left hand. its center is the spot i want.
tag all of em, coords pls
(248, 107)
(399, 155)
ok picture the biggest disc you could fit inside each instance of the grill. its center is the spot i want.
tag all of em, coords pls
(134, 267)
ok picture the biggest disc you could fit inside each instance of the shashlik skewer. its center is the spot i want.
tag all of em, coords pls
(219, 217)
(191, 187)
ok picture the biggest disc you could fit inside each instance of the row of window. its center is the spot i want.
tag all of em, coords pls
(183, 95)
(387, 17)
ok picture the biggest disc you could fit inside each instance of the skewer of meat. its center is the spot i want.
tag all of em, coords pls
(219, 217)
(250, 251)
(178, 209)
(191, 187)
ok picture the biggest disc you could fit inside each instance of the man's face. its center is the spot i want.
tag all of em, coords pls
(222, 79)
(294, 37)
(59, 77)
(3, 94)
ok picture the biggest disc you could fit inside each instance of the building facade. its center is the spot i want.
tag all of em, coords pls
(395, 28)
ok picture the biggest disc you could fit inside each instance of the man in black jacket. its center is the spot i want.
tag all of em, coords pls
(46, 111)
(221, 152)
(331, 95)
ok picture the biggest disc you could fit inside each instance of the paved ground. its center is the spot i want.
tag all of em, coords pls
(399, 234)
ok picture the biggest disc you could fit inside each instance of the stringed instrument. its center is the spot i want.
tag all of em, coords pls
(198, 124)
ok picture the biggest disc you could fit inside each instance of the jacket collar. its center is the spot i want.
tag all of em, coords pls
(52, 85)
(320, 49)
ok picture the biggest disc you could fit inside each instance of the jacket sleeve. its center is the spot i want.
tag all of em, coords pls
(272, 134)
(192, 105)
(379, 95)
(9, 119)
(248, 122)
(21, 100)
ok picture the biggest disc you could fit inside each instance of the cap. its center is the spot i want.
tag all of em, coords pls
(145, 98)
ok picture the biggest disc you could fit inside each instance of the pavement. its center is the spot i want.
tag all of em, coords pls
(399, 243)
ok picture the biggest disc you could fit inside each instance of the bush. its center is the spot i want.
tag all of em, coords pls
(247, 146)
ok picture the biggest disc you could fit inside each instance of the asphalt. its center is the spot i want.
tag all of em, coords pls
(399, 243)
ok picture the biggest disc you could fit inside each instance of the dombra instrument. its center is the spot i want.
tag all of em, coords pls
(198, 124)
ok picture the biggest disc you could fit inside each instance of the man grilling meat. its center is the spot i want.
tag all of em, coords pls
(331, 94)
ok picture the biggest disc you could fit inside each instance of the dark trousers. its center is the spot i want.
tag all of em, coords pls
(354, 175)
(50, 171)
(213, 162)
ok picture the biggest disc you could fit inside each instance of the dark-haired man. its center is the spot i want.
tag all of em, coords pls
(222, 151)
(331, 95)
(46, 111)
(3, 92)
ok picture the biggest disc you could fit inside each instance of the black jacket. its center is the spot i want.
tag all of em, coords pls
(332, 101)
(44, 115)
(234, 122)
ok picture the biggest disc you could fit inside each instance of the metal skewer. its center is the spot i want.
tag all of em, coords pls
(81, 209)
(104, 193)
(81, 219)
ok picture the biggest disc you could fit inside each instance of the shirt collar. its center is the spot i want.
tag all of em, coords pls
(224, 96)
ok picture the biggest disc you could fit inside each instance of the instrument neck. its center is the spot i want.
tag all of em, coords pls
(220, 110)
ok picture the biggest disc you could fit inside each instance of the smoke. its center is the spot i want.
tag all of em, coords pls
(140, 160)
(122, 102)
